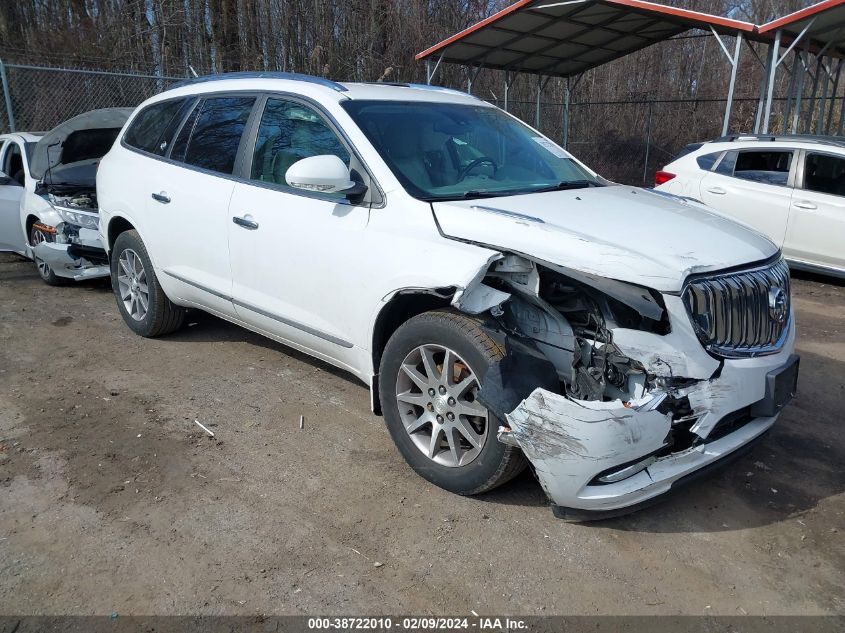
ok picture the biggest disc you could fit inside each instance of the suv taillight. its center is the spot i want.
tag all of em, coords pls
(662, 176)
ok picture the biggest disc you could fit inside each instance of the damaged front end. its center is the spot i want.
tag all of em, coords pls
(613, 391)
(72, 248)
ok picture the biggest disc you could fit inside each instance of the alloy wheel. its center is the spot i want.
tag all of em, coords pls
(436, 391)
(132, 284)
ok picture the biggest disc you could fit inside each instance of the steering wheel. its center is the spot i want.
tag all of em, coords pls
(478, 161)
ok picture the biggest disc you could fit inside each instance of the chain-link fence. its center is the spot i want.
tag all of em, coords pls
(37, 98)
(625, 141)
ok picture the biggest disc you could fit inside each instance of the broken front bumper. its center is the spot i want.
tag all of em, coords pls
(83, 259)
(600, 459)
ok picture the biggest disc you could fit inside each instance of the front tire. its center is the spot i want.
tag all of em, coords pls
(430, 374)
(141, 301)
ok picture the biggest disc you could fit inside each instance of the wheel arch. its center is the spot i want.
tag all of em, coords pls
(117, 225)
(403, 305)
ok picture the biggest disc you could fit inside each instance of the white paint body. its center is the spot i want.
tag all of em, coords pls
(20, 206)
(809, 226)
(315, 273)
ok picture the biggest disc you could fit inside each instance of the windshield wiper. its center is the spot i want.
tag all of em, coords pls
(569, 184)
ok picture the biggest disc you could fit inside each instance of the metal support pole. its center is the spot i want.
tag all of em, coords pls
(823, 101)
(799, 92)
(7, 96)
(790, 94)
(429, 71)
(726, 124)
(647, 143)
(833, 98)
(539, 94)
(509, 79)
(761, 101)
(770, 88)
(566, 97)
(812, 105)
(841, 117)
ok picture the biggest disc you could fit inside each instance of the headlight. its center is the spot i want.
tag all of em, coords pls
(85, 220)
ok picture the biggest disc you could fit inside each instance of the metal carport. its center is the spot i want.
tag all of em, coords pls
(818, 30)
(565, 39)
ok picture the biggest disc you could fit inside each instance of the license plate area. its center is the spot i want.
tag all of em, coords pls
(781, 385)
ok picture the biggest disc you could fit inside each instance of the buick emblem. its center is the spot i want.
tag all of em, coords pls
(777, 304)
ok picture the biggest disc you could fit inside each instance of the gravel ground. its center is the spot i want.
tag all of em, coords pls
(113, 500)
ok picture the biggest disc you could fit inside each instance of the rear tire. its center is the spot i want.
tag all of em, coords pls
(36, 236)
(140, 298)
(421, 402)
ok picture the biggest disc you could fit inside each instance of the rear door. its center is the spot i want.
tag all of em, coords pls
(816, 232)
(753, 186)
(11, 192)
(188, 200)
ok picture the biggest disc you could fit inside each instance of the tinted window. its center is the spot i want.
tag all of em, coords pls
(13, 163)
(825, 174)
(180, 144)
(217, 133)
(706, 161)
(770, 167)
(147, 131)
(288, 133)
(727, 164)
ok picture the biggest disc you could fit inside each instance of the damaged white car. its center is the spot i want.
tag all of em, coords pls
(505, 304)
(57, 217)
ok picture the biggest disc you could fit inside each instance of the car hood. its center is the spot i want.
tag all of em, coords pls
(49, 151)
(635, 235)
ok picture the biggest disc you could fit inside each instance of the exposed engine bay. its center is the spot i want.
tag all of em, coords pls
(570, 321)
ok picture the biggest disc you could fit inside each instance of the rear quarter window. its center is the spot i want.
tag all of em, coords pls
(148, 130)
(706, 161)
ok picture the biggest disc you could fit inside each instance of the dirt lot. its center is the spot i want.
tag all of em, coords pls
(113, 500)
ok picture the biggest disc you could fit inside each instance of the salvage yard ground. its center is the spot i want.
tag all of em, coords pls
(113, 500)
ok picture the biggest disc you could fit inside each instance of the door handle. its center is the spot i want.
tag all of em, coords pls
(803, 204)
(246, 222)
(161, 197)
(717, 190)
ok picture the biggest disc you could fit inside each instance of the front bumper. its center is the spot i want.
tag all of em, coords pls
(83, 259)
(572, 444)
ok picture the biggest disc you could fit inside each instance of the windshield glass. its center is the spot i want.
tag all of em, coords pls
(443, 151)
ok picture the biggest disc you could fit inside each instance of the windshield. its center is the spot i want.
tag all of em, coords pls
(443, 151)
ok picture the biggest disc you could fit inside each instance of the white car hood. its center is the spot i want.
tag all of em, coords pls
(618, 232)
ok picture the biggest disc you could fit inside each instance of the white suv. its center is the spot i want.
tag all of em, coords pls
(503, 302)
(791, 188)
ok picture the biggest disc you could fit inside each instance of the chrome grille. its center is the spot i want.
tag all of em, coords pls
(743, 313)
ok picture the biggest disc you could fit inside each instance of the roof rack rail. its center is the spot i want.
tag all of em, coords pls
(328, 83)
(803, 138)
(402, 84)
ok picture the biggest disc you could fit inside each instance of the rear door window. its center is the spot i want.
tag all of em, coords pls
(148, 130)
(215, 134)
(767, 167)
(825, 173)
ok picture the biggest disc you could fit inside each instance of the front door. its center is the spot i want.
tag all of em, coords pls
(294, 254)
(11, 191)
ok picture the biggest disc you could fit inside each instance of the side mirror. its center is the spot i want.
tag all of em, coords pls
(324, 174)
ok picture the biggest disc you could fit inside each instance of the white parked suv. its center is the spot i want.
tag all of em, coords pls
(504, 303)
(791, 188)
